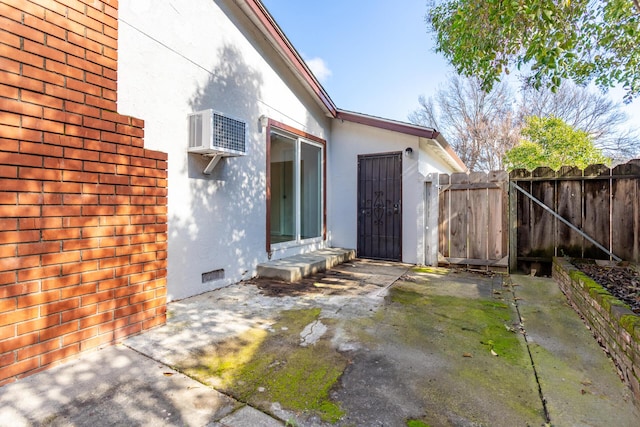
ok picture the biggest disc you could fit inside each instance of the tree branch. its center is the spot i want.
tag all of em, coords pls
(637, 4)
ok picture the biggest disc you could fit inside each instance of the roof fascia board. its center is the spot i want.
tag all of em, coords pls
(260, 15)
(386, 124)
(444, 146)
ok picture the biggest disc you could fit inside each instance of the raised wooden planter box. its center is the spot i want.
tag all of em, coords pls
(612, 322)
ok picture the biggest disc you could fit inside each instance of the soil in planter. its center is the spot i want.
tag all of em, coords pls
(622, 282)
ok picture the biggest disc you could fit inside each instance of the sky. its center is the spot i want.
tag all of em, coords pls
(372, 56)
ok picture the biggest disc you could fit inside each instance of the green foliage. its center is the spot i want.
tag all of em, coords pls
(526, 155)
(582, 40)
(553, 143)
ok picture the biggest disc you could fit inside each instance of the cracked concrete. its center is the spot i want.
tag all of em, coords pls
(417, 342)
(312, 333)
(578, 382)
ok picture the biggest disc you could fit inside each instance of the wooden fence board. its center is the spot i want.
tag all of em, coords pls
(524, 222)
(503, 234)
(496, 225)
(597, 205)
(478, 218)
(542, 230)
(443, 216)
(625, 207)
(458, 218)
(569, 206)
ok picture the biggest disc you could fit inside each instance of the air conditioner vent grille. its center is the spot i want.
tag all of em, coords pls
(212, 133)
(228, 133)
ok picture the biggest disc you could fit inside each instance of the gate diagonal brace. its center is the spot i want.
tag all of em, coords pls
(573, 227)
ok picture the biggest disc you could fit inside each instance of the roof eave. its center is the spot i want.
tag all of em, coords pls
(261, 17)
(387, 124)
(407, 129)
(444, 145)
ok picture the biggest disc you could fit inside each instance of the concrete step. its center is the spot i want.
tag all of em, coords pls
(294, 268)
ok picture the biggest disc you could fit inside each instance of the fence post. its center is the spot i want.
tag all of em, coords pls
(513, 228)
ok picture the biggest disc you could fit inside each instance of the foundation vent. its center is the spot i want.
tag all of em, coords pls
(210, 276)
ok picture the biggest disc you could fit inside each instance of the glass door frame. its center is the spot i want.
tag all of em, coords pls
(300, 137)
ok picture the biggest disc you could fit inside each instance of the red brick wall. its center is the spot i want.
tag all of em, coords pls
(83, 208)
(613, 324)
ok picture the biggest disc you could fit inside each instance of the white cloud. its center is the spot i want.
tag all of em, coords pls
(319, 68)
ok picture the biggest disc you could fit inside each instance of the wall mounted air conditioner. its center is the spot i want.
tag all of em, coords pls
(216, 135)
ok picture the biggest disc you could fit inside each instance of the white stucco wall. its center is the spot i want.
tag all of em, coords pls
(430, 165)
(187, 55)
(350, 140)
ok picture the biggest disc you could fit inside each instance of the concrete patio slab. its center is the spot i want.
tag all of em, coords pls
(367, 343)
(113, 386)
(577, 379)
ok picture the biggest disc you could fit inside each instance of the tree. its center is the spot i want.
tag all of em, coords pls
(549, 141)
(554, 40)
(586, 110)
(480, 126)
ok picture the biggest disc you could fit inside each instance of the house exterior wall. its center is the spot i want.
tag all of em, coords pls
(430, 165)
(418, 170)
(82, 201)
(179, 57)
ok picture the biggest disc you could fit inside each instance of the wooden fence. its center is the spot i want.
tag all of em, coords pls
(603, 203)
(491, 221)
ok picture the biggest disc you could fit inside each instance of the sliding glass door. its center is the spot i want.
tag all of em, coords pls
(283, 189)
(296, 189)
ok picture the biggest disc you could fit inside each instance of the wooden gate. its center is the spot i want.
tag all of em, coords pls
(473, 223)
(380, 206)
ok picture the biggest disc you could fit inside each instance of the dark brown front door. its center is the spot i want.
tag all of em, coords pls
(380, 206)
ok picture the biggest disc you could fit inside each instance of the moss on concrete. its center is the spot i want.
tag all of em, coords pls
(218, 365)
(261, 367)
(566, 382)
(417, 423)
(490, 321)
(430, 270)
(407, 296)
(466, 328)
